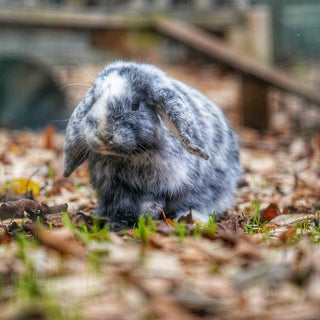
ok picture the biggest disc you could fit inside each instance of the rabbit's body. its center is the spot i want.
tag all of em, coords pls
(157, 134)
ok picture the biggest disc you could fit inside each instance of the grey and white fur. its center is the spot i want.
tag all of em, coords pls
(152, 143)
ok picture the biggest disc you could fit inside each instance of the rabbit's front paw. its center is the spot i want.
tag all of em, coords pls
(155, 211)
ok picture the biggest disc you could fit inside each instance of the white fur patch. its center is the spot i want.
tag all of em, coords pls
(196, 215)
(113, 86)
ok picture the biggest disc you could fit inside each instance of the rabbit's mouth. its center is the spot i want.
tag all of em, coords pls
(100, 147)
(106, 151)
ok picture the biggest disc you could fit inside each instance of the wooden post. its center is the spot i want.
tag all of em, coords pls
(256, 77)
(115, 39)
(254, 103)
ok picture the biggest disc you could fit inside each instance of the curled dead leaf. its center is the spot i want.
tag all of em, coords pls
(270, 212)
(169, 222)
(287, 235)
(61, 240)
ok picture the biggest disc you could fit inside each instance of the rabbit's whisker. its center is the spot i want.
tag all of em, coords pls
(144, 151)
(75, 84)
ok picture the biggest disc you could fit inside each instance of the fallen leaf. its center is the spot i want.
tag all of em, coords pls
(5, 238)
(166, 309)
(187, 219)
(129, 232)
(270, 212)
(59, 184)
(192, 256)
(21, 185)
(287, 235)
(247, 249)
(169, 222)
(290, 219)
(61, 240)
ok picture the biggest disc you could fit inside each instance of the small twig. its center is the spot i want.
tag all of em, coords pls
(162, 212)
(17, 208)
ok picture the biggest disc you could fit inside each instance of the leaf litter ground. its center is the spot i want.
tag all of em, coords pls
(261, 261)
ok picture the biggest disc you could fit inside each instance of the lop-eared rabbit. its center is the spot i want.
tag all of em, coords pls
(152, 143)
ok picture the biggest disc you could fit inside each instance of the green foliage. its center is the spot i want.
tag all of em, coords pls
(98, 233)
(82, 233)
(95, 225)
(39, 220)
(315, 234)
(197, 230)
(306, 227)
(26, 285)
(29, 292)
(266, 234)
(180, 230)
(50, 172)
(144, 229)
(254, 225)
(142, 232)
(66, 221)
(151, 223)
(22, 244)
(211, 226)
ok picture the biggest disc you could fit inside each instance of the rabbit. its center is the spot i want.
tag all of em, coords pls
(154, 145)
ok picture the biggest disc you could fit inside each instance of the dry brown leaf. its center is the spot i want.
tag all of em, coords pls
(5, 238)
(129, 232)
(61, 240)
(247, 249)
(169, 222)
(291, 219)
(288, 234)
(270, 212)
(156, 241)
(165, 309)
(192, 256)
(59, 184)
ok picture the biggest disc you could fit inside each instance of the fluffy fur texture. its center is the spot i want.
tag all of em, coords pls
(152, 143)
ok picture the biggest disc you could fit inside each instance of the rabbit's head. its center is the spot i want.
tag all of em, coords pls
(121, 116)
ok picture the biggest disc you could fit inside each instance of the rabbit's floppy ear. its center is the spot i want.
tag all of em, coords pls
(75, 150)
(178, 116)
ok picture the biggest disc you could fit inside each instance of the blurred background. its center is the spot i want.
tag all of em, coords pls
(258, 60)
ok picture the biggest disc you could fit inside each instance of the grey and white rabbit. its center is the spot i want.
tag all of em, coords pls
(152, 143)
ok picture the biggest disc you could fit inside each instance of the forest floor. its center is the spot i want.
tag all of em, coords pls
(262, 261)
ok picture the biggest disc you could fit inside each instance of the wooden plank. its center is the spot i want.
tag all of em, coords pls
(69, 20)
(60, 18)
(254, 103)
(218, 50)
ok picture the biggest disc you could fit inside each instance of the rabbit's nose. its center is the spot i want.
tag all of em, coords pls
(105, 138)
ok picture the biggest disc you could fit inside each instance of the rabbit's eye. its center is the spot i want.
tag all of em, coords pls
(135, 106)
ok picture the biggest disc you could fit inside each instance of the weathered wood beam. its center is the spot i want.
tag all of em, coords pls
(69, 20)
(60, 18)
(216, 49)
